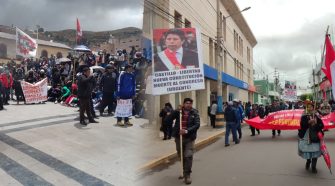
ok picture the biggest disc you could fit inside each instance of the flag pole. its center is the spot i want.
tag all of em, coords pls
(181, 140)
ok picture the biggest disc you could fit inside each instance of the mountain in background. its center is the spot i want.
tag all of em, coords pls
(68, 36)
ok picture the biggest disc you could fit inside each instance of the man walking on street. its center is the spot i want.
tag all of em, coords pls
(239, 111)
(190, 125)
(231, 123)
(85, 87)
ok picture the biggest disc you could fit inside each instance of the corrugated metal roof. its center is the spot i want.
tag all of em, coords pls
(40, 42)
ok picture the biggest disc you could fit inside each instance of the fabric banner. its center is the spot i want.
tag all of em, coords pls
(25, 45)
(35, 93)
(290, 91)
(124, 108)
(177, 61)
(287, 120)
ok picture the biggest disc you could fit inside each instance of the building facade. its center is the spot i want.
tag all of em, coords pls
(44, 49)
(236, 54)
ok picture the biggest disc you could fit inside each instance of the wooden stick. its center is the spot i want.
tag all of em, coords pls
(181, 139)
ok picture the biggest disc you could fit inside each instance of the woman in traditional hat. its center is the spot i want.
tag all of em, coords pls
(309, 143)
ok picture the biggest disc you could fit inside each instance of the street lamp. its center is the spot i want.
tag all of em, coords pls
(219, 56)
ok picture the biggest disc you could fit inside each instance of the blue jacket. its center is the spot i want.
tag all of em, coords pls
(126, 86)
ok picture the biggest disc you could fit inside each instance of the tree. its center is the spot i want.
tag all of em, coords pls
(309, 96)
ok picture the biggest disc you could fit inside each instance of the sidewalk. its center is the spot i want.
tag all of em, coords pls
(163, 151)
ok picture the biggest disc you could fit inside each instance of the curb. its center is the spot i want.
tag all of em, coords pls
(169, 157)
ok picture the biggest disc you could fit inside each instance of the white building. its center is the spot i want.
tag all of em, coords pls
(237, 51)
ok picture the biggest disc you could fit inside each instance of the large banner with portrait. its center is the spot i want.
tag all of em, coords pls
(177, 61)
(290, 91)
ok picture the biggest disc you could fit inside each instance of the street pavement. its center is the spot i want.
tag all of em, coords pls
(259, 161)
(42, 144)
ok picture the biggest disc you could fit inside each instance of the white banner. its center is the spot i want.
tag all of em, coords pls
(177, 63)
(290, 91)
(35, 93)
(124, 108)
(25, 45)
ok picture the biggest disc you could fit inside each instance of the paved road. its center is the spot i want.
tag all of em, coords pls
(259, 161)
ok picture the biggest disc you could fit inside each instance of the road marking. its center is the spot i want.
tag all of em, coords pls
(20, 173)
(58, 165)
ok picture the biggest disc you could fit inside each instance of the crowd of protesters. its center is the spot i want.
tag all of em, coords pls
(104, 76)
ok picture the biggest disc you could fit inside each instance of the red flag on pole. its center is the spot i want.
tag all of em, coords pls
(79, 32)
(330, 63)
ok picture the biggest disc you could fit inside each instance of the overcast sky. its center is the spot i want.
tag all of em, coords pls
(290, 35)
(94, 15)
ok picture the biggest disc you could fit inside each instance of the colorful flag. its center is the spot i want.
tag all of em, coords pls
(79, 32)
(329, 69)
(25, 45)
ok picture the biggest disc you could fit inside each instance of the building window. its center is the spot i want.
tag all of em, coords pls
(187, 24)
(177, 20)
(249, 76)
(59, 55)
(235, 41)
(44, 53)
(225, 61)
(3, 51)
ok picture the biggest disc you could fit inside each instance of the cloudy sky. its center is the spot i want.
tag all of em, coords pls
(290, 35)
(97, 15)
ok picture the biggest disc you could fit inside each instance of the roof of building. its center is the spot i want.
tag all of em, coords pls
(232, 8)
(40, 42)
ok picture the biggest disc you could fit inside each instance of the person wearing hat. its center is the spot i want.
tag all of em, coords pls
(126, 89)
(108, 85)
(231, 116)
(309, 143)
(85, 88)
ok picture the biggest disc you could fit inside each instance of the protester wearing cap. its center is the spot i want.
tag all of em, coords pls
(85, 88)
(231, 116)
(126, 89)
(108, 87)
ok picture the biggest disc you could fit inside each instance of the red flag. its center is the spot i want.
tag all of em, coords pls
(330, 63)
(79, 31)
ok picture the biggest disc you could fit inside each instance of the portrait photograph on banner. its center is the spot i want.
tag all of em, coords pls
(177, 61)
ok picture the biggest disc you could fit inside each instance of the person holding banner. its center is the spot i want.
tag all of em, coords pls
(175, 57)
(85, 88)
(126, 89)
(190, 125)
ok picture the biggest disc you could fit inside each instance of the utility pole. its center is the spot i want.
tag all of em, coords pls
(218, 57)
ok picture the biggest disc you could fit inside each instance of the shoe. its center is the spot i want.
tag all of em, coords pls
(96, 117)
(101, 114)
(314, 170)
(128, 123)
(169, 137)
(164, 138)
(237, 142)
(252, 135)
(226, 145)
(83, 123)
(93, 121)
(308, 164)
(119, 123)
(187, 180)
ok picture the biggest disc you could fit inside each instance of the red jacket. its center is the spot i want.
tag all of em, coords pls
(4, 80)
